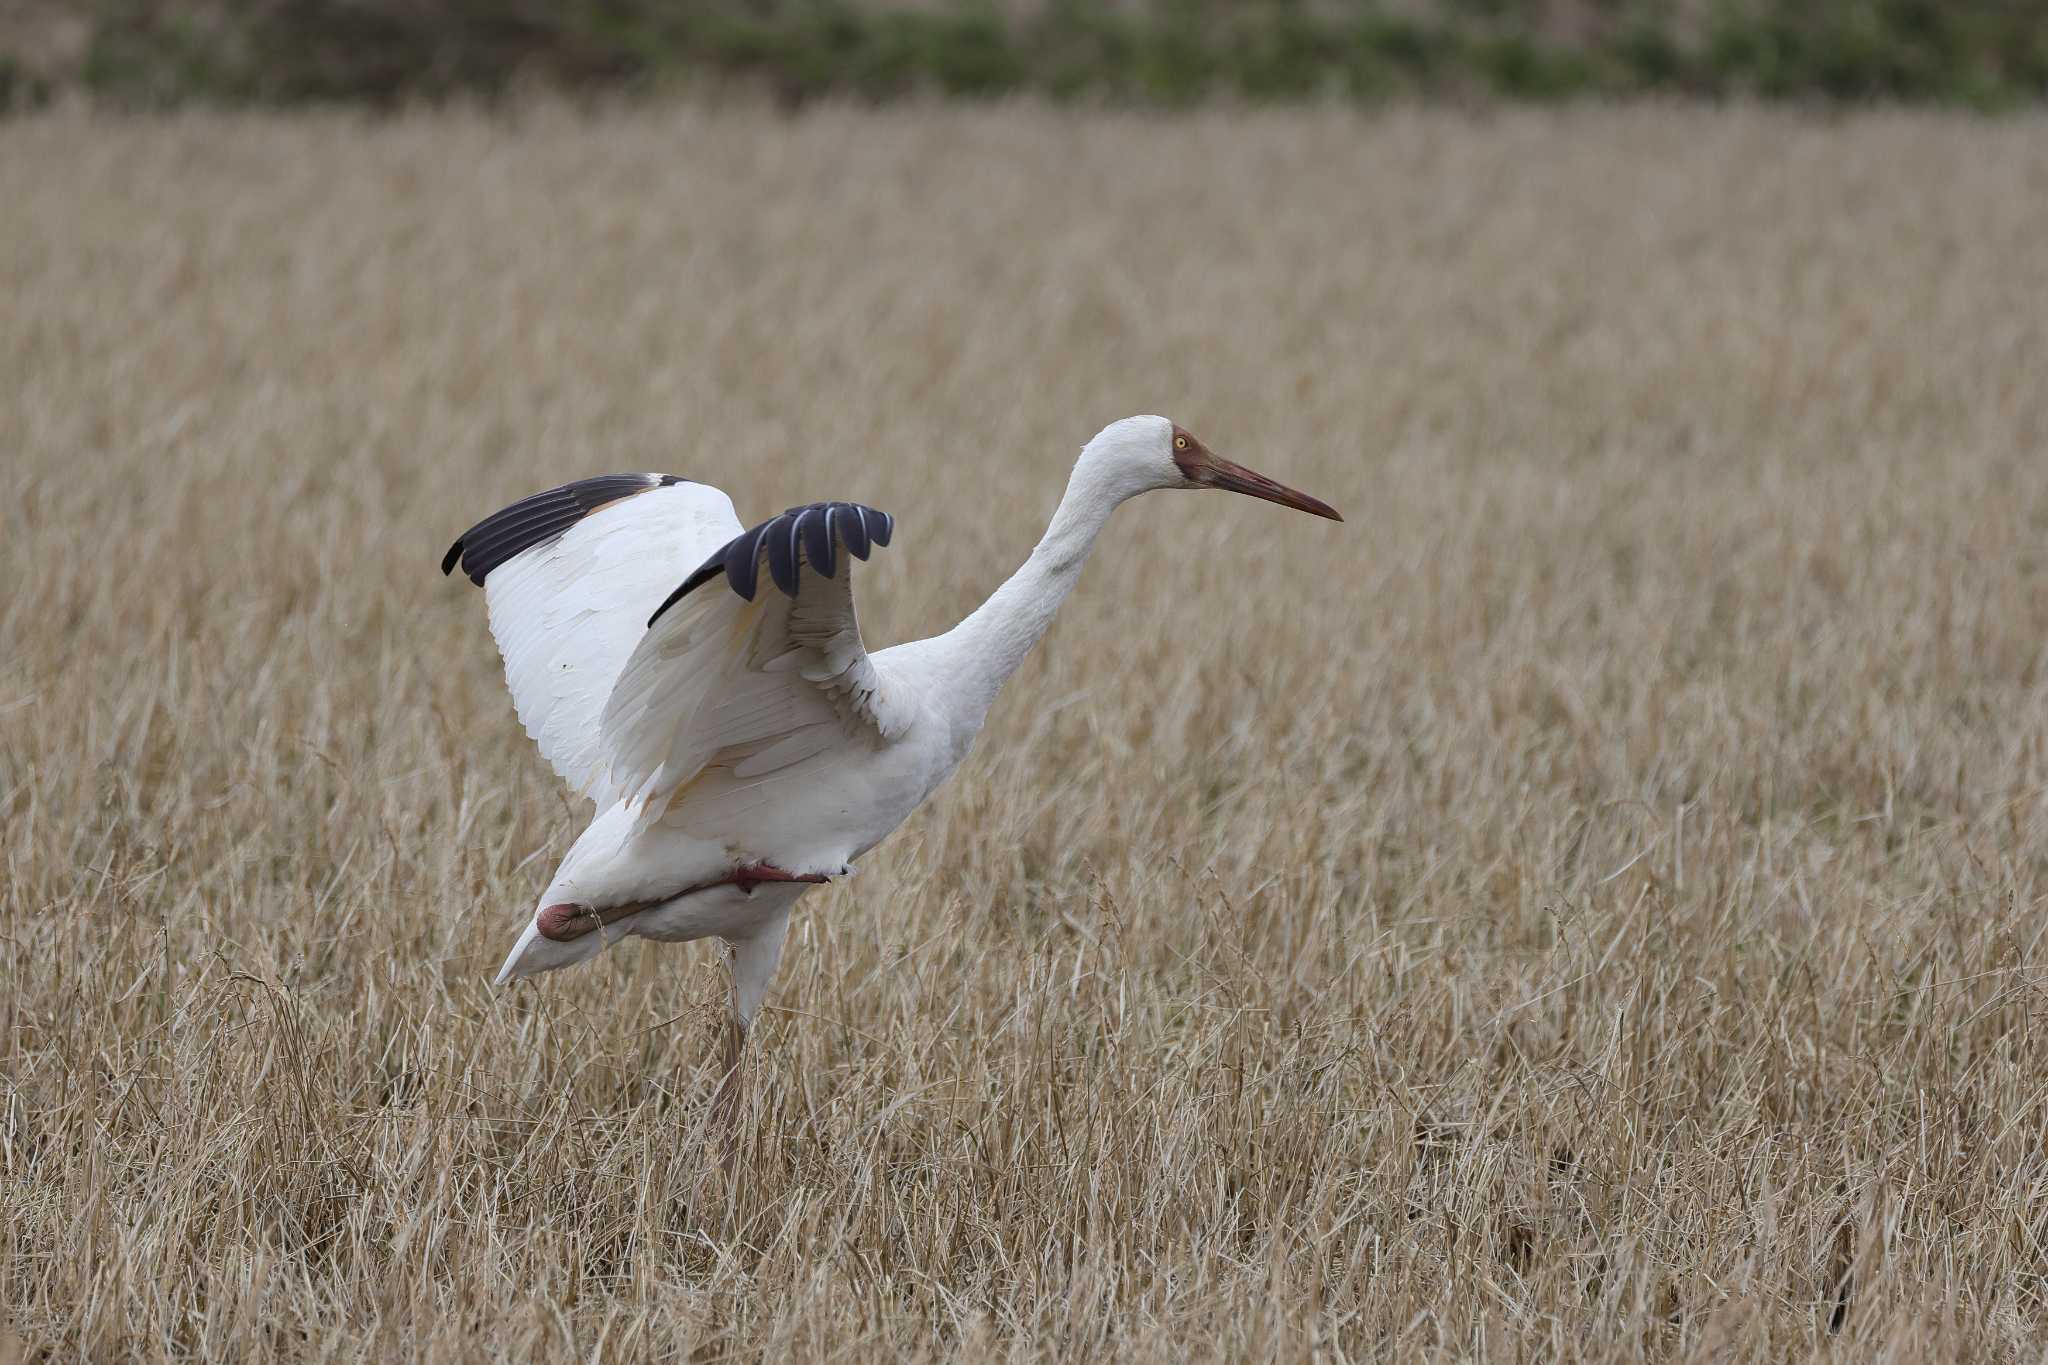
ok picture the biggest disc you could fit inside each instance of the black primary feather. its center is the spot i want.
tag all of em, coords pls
(816, 523)
(801, 535)
(539, 519)
(881, 528)
(853, 529)
(743, 560)
(781, 537)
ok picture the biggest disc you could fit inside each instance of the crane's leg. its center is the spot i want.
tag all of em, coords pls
(753, 960)
(751, 875)
(567, 922)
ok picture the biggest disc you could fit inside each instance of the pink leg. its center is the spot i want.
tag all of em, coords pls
(562, 923)
(717, 1181)
(725, 1101)
(753, 874)
(568, 921)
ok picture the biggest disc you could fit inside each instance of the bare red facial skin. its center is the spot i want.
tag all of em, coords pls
(567, 922)
(1201, 465)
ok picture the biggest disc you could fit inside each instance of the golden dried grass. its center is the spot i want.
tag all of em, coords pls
(1585, 908)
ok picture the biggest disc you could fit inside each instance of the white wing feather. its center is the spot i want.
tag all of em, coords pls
(748, 687)
(567, 614)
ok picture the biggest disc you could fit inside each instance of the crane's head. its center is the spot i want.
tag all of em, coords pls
(1143, 453)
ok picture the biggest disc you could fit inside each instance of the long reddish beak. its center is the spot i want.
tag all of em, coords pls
(1221, 473)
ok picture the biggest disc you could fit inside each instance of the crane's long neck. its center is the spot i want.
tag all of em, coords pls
(986, 648)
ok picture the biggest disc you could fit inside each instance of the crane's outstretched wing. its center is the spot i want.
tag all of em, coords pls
(569, 577)
(754, 679)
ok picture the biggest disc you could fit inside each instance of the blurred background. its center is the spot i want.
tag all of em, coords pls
(1588, 906)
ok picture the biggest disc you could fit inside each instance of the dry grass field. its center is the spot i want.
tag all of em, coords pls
(1586, 907)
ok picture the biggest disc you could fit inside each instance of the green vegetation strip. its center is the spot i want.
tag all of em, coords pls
(1978, 53)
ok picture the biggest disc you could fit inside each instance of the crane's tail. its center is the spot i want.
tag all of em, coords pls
(535, 952)
(735, 907)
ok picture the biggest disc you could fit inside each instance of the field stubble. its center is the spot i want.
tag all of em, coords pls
(1585, 907)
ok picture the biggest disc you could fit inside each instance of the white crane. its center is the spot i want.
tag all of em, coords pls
(741, 743)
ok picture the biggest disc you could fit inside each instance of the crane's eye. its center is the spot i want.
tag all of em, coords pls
(1180, 443)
